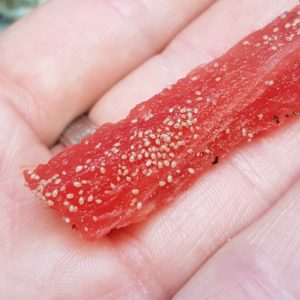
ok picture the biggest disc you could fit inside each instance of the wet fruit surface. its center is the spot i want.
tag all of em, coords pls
(120, 174)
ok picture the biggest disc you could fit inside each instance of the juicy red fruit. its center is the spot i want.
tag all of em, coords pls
(124, 171)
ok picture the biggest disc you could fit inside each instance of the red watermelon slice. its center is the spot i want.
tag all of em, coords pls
(124, 171)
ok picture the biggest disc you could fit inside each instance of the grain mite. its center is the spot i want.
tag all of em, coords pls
(124, 171)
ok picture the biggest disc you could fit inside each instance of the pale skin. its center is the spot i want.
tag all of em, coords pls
(234, 235)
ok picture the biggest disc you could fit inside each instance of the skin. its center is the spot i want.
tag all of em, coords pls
(234, 235)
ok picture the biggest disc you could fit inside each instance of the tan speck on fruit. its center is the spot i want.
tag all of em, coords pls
(77, 184)
(135, 191)
(78, 168)
(54, 193)
(191, 170)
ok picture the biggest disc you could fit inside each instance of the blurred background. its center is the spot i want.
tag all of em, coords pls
(12, 10)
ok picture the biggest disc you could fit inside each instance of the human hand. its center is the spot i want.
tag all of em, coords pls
(55, 65)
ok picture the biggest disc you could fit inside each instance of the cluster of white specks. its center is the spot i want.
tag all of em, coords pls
(289, 29)
(139, 205)
(157, 148)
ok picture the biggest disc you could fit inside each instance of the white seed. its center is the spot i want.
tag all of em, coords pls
(54, 193)
(135, 191)
(191, 170)
(77, 184)
(260, 116)
(72, 208)
(81, 201)
(67, 220)
(78, 168)
(244, 131)
(57, 181)
(269, 82)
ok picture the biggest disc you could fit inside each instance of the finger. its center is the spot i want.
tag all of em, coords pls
(261, 263)
(61, 62)
(37, 253)
(180, 238)
(209, 36)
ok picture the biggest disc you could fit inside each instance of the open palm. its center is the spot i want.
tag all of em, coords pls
(234, 235)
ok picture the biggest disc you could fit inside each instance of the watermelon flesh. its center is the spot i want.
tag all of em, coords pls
(124, 171)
